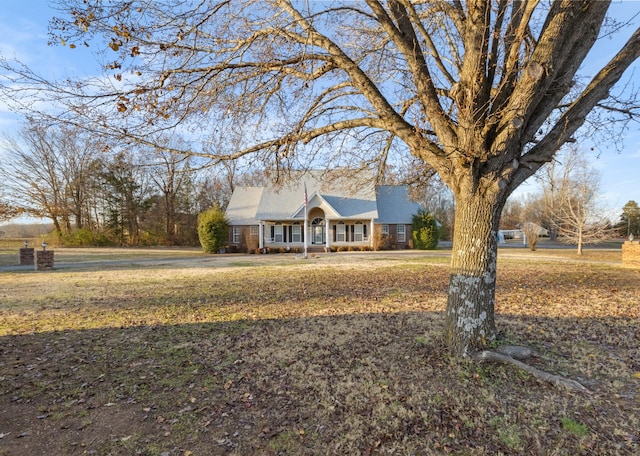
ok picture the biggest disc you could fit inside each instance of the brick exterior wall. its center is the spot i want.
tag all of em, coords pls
(391, 241)
(248, 243)
(631, 253)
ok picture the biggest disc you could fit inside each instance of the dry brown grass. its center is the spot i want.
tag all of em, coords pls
(339, 354)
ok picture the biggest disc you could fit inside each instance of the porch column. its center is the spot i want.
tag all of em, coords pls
(371, 232)
(327, 233)
(261, 234)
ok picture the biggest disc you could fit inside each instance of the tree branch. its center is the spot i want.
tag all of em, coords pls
(597, 90)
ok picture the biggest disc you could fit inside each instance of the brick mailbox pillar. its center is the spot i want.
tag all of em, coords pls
(26, 256)
(631, 253)
(44, 260)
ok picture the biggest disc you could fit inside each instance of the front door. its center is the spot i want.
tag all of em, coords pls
(317, 231)
(318, 235)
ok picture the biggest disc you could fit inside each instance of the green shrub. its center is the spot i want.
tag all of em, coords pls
(213, 229)
(102, 240)
(425, 231)
(78, 238)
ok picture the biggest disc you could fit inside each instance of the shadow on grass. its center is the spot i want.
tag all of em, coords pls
(373, 383)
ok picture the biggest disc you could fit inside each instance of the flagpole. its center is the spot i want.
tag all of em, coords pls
(306, 231)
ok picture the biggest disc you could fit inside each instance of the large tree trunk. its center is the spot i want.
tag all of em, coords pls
(470, 322)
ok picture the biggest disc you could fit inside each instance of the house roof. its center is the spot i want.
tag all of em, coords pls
(394, 204)
(340, 196)
(243, 205)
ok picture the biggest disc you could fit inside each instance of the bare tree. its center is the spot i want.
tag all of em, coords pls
(31, 175)
(8, 211)
(49, 171)
(78, 154)
(484, 92)
(170, 174)
(576, 213)
(512, 214)
(436, 198)
(549, 200)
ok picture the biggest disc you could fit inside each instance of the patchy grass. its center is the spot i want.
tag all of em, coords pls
(334, 355)
(570, 425)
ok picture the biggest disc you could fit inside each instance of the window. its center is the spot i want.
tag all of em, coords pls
(255, 230)
(278, 235)
(357, 232)
(402, 234)
(340, 232)
(237, 234)
(296, 233)
(385, 230)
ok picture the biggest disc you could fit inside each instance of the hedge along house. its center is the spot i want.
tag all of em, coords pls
(343, 212)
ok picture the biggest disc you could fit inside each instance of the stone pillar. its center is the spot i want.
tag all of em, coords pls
(44, 260)
(26, 256)
(631, 253)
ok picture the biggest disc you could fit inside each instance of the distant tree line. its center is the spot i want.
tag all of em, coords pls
(97, 193)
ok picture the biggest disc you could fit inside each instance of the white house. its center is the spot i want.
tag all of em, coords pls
(343, 211)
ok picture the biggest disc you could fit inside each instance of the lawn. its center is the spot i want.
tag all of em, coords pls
(338, 354)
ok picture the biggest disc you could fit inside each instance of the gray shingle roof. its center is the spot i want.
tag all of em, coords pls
(348, 197)
(394, 204)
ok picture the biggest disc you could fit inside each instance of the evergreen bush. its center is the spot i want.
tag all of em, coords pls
(425, 231)
(213, 229)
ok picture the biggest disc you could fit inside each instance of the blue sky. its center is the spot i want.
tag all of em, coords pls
(24, 25)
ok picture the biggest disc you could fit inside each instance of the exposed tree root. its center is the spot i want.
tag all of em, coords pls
(508, 355)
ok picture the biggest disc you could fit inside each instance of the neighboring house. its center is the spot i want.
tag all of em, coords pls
(343, 212)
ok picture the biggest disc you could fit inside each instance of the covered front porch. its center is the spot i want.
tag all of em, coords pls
(321, 232)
